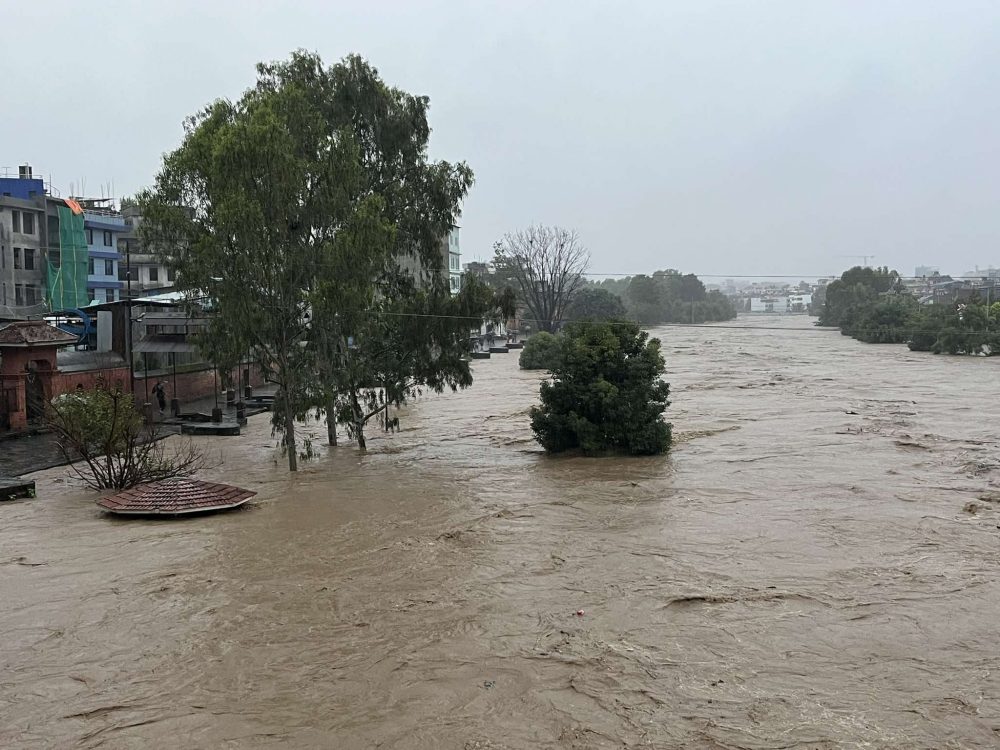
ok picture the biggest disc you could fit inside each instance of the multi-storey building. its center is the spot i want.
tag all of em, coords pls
(142, 271)
(102, 227)
(22, 245)
(454, 261)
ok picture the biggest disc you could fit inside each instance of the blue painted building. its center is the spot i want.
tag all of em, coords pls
(26, 188)
(103, 227)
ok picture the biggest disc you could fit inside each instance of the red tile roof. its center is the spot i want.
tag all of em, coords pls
(175, 496)
(34, 333)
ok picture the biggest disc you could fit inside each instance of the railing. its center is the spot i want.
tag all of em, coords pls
(102, 211)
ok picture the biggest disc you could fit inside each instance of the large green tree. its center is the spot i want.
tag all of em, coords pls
(855, 290)
(606, 394)
(672, 297)
(304, 209)
(595, 303)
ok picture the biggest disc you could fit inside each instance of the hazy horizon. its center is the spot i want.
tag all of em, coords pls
(777, 138)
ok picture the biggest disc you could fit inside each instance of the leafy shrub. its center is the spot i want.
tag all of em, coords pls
(540, 352)
(606, 395)
(103, 431)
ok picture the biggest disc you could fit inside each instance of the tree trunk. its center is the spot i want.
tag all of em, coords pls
(385, 415)
(293, 457)
(359, 421)
(331, 421)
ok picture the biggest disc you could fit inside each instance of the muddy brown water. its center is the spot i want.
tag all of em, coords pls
(804, 570)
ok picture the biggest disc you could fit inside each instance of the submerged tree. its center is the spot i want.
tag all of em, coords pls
(596, 303)
(303, 210)
(547, 267)
(109, 446)
(606, 393)
(407, 344)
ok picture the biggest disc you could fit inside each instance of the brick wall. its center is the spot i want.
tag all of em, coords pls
(190, 385)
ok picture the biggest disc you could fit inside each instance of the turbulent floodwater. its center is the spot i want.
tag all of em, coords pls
(815, 565)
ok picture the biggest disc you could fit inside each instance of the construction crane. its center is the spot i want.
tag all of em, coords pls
(864, 258)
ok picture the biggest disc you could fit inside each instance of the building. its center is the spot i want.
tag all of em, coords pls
(22, 245)
(28, 371)
(450, 264)
(799, 303)
(769, 304)
(143, 271)
(454, 261)
(921, 271)
(102, 226)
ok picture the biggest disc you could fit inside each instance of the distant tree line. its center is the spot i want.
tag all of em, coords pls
(667, 297)
(871, 305)
(546, 268)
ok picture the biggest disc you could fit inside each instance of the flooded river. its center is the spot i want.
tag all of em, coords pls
(816, 564)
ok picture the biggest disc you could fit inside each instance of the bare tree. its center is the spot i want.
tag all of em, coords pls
(547, 265)
(107, 444)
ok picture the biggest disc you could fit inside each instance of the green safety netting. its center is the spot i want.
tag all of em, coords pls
(67, 282)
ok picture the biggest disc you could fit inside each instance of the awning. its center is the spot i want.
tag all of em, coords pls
(164, 345)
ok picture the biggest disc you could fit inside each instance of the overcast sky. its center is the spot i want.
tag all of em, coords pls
(745, 137)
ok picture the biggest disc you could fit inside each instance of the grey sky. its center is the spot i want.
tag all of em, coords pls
(715, 137)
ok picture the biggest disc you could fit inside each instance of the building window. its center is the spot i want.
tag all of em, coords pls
(109, 267)
(3, 257)
(109, 240)
(171, 274)
(17, 258)
(154, 273)
(91, 293)
(15, 220)
(90, 266)
(29, 224)
(30, 294)
(90, 236)
(29, 259)
(19, 295)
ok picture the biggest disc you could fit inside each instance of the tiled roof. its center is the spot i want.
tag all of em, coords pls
(34, 333)
(175, 496)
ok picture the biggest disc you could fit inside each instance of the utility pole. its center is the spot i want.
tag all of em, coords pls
(128, 310)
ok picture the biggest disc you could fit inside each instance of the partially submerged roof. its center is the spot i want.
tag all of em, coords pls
(175, 497)
(30, 333)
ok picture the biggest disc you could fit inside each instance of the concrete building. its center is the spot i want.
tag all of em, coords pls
(454, 261)
(22, 245)
(102, 226)
(141, 270)
(450, 264)
(769, 304)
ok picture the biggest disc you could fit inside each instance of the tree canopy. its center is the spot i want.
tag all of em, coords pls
(310, 216)
(606, 393)
(595, 303)
(671, 297)
(871, 305)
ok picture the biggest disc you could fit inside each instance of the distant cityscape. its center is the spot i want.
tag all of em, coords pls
(927, 284)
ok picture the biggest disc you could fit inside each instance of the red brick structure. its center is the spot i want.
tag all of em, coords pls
(27, 369)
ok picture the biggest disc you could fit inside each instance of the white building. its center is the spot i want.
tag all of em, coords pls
(454, 261)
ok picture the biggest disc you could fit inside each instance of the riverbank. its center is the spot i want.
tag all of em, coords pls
(802, 570)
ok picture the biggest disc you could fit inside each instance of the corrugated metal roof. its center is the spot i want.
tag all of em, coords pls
(164, 344)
